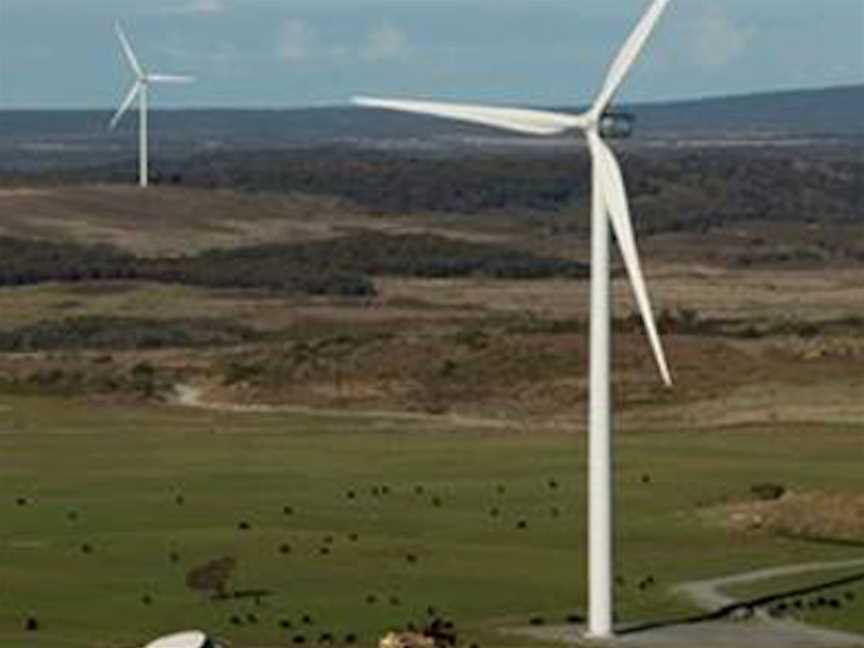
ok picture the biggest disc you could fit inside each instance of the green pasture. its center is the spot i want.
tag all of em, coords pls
(119, 470)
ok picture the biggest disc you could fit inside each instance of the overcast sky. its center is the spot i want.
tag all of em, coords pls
(288, 53)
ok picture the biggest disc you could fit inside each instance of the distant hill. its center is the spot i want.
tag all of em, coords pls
(833, 111)
(35, 140)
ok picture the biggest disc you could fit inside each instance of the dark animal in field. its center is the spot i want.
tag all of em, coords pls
(645, 583)
(31, 624)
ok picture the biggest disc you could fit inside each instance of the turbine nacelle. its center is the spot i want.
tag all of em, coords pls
(616, 125)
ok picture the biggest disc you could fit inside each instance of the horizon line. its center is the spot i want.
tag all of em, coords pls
(347, 104)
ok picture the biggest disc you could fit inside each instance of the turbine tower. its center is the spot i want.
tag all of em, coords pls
(140, 89)
(609, 201)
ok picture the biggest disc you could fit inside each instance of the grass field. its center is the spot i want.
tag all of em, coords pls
(120, 471)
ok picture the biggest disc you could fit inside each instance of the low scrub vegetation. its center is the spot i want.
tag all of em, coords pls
(124, 334)
(342, 266)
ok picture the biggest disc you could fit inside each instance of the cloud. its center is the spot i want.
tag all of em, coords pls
(386, 42)
(297, 41)
(717, 40)
(199, 7)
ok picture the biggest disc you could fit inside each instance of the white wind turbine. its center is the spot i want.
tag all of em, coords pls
(609, 200)
(140, 89)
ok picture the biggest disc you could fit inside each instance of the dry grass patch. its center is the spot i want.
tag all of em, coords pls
(815, 515)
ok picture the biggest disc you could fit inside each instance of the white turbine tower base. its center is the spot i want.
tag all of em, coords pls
(139, 90)
(609, 204)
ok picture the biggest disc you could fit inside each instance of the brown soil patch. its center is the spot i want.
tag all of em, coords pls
(823, 515)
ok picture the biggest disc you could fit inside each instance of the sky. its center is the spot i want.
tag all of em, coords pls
(294, 53)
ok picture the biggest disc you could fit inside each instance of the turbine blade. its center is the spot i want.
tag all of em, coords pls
(533, 122)
(627, 56)
(127, 49)
(170, 78)
(125, 105)
(615, 199)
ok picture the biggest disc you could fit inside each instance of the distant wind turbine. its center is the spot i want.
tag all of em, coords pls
(140, 89)
(609, 200)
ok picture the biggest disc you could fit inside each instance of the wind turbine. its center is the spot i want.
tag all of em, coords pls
(609, 199)
(140, 89)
